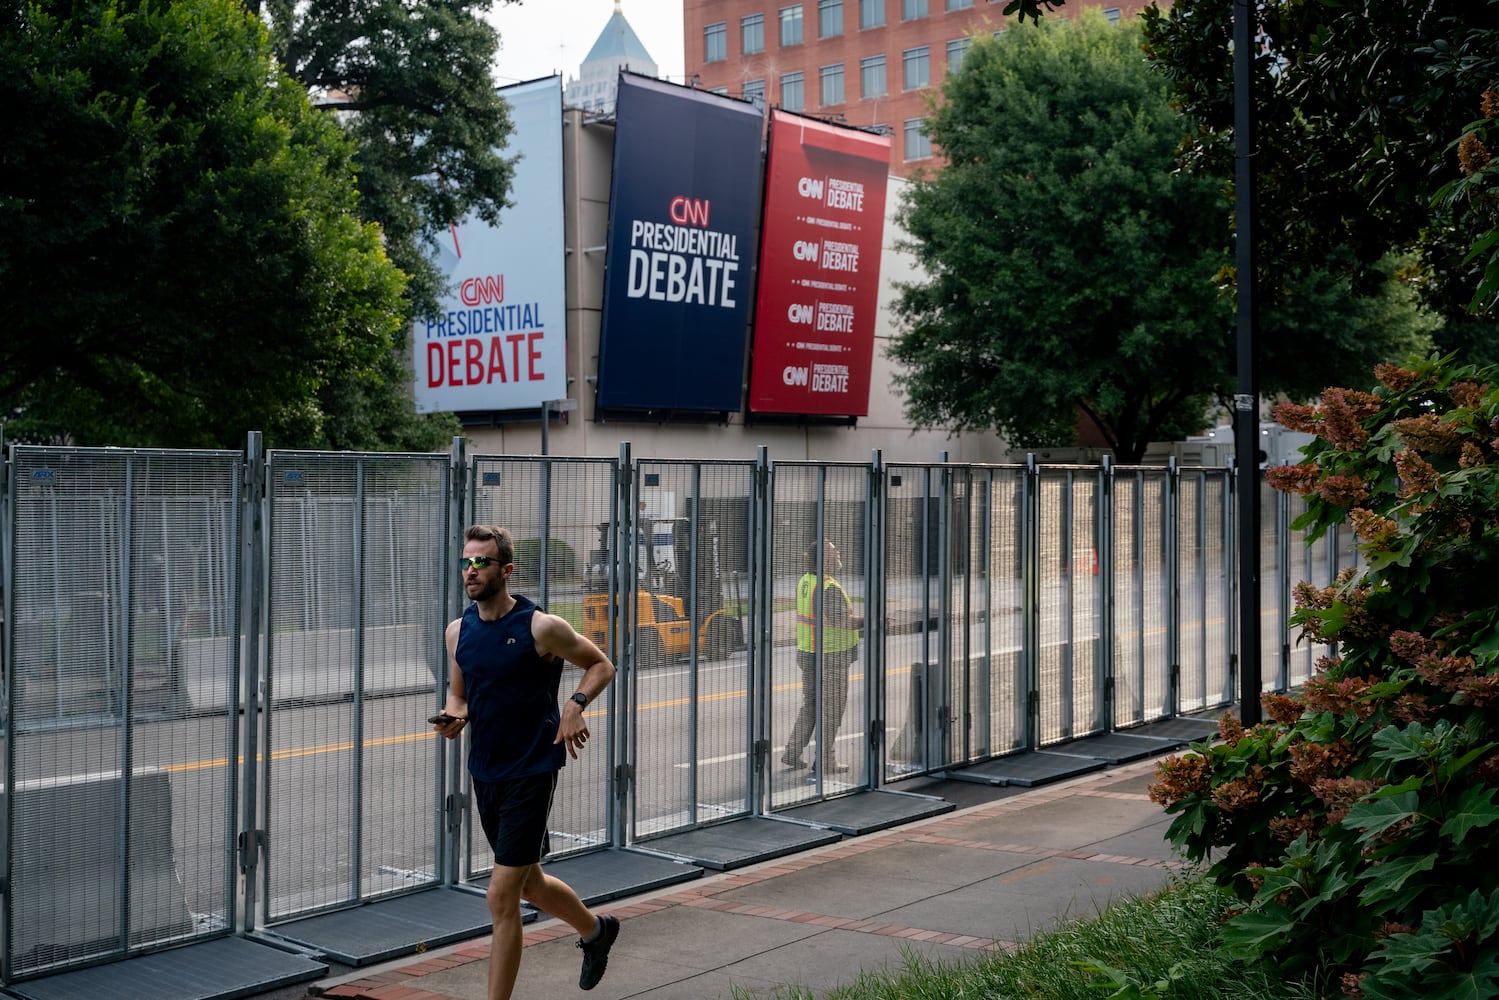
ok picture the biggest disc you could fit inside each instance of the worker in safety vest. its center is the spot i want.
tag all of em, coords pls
(827, 636)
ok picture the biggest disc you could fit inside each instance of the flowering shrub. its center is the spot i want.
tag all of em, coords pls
(1356, 823)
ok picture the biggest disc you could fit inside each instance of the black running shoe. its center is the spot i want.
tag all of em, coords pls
(596, 953)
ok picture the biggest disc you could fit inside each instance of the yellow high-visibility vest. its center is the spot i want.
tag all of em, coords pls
(835, 638)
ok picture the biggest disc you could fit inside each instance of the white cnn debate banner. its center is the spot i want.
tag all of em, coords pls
(498, 341)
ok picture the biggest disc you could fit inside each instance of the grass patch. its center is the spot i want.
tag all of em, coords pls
(1162, 945)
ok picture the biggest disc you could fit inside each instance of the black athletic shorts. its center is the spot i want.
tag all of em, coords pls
(513, 814)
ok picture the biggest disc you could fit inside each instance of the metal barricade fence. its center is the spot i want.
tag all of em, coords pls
(1071, 657)
(120, 679)
(350, 787)
(814, 673)
(1141, 573)
(1205, 609)
(561, 514)
(1006, 608)
(688, 693)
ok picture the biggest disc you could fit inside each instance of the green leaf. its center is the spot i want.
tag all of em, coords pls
(1256, 931)
(1474, 809)
(1388, 880)
(1374, 816)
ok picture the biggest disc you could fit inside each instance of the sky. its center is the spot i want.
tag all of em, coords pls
(542, 37)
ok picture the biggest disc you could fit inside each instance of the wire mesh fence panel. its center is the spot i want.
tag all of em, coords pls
(1142, 585)
(1316, 563)
(992, 617)
(1071, 652)
(1206, 618)
(350, 785)
(690, 680)
(1275, 591)
(560, 514)
(405, 527)
(912, 604)
(120, 731)
(818, 715)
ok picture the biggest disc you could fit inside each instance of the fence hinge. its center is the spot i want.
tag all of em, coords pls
(624, 777)
(761, 751)
(454, 808)
(876, 733)
(249, 845)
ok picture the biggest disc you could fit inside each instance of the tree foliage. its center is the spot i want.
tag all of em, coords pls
(1356, 824)
(181, 258)
(1069, 267)
(411, 82)
(1362, 112)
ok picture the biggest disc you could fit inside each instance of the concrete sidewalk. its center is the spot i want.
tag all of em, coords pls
(981, 878)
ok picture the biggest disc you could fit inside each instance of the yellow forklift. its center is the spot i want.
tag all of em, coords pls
(663, 631)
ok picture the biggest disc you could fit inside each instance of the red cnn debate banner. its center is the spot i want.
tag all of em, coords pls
(819, 275)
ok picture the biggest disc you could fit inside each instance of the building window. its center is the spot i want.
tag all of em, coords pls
(754, 92)
(829, 18)
(911, 10)
(871, 13)
(918, 143)
(832, 85)
(956, 50)
(959, 4)
(752, 34)
(1112, 13)
(872, 77)
(716, 42)
(791, 25)
(918, 72)
(792, 98)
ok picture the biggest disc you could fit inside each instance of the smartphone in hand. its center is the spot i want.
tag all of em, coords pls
(442, 719)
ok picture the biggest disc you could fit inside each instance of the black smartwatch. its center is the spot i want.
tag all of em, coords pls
(580, 698)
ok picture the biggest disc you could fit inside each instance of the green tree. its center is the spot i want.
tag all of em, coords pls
(1361, 109)
(181, 258)
(1071, 268)
(410, 80)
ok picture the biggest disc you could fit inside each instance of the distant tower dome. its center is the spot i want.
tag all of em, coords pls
(596, 86)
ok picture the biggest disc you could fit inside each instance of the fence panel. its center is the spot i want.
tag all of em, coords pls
(351, 778)
(995, 710)
(121, 673)
(689, 689)
(814, 691)
(1142, 593)
(1206, 587)
(1319, 564)
(1072, 655)
(560, 513)
(912, 606)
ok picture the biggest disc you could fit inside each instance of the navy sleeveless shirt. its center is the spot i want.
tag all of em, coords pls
(512, 696)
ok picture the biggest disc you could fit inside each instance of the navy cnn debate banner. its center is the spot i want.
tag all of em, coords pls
(682, 214)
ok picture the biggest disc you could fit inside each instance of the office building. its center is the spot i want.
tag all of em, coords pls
(867, 63)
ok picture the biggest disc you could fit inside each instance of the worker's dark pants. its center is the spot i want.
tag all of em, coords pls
(835, 668)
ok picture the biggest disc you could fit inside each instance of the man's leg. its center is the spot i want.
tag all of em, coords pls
(504, 896)
(834, 704)
(595, 935)
(801, 731)
(555, 897)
